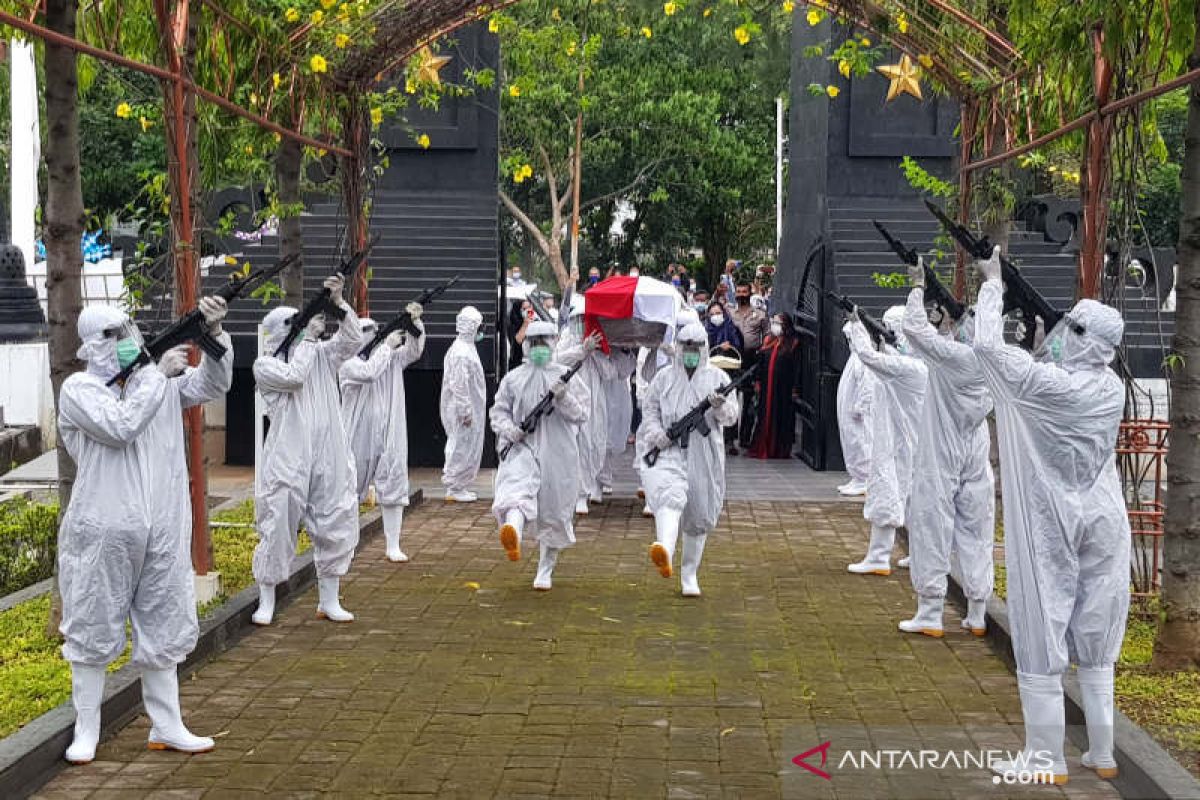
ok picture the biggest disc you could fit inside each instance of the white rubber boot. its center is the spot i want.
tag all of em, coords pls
(666, 531)
(160, 693)
(904, 562)
(878, 560)
(393, 524)
(928, 619)
(510, 534)
(87, 693)
(266, 605)
(461, 496)
(646, 512)
(581, 506)
(1045, 727)
(545, 571)
(852, 488)
(329, 606)
(1096, 686)
(693, 551)
(976, 619)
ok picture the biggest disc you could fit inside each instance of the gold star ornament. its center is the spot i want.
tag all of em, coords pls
(905, 78)
(429, 66)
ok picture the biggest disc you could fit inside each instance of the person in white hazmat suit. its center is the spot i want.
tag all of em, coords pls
(463, 404)
(685, 488)
(855, 394)
(375, 415)
(952, 508)
(895, 418)
(307, 472)
(619, 401)
(125, 543)
(1066, 532)
(537, 483)
(595, 374)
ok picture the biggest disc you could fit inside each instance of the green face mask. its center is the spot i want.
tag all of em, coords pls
(479, 336)
(127, 352)
(691, 360)
(539, 354)
(1055, 346)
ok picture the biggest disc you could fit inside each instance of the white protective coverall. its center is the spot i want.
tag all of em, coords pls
(373, 397)
(952, 509)
(597, 371)
(463, 407)
(619, 401)
(895, 417)
(1065, 525)
(855, 394)
(307, 475)
(537, 483)
(686, 487)
(125, 542)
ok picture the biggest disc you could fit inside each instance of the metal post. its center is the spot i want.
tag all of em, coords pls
(1096, 169)
(778, 176)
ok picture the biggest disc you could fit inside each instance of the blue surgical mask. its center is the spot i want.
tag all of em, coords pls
(676, 282)
(127, 352)
(593, 279)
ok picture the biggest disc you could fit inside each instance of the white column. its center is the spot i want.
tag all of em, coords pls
(26, 147)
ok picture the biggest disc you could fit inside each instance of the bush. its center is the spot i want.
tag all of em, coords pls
(28, 543)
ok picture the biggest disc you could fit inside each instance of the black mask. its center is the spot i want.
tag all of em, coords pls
(743, 300)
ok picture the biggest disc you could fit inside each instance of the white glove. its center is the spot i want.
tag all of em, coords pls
(717, 400)
(335, 284)
(174, 361)
(214, 310)
(466, 422)
(591, 343)
(916, 273)
(990, 269)
(316, 327)
(660, 440)
(395, 339)
(414, 310)
(513, 434)
(558, 389)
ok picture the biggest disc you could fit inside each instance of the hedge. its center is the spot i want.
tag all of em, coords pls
(28, 543)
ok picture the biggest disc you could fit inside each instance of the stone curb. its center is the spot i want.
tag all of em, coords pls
(33, 755)
(1148, 772)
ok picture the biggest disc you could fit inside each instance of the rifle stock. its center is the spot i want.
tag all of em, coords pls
(695, 420)
(935, 290)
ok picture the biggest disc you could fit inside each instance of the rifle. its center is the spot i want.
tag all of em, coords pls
(935, 290)
(879, 333)
(544, 407)
(320, 303)
(403, 320)
(1019, 294)
(192, 327)
(695, 420)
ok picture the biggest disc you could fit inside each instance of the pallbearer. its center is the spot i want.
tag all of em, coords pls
(464, 401)
(597, 371)
(537, 482)
(855, 396)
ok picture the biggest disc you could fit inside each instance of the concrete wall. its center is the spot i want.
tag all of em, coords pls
(25, 390)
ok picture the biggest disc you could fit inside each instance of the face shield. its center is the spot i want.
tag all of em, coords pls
(964, 329)
(540, 338)
(129, 341)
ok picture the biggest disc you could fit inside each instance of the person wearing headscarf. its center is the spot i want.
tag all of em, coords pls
(779, 362)
(463, 403)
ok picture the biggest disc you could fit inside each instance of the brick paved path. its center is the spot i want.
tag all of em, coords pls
(611, 685)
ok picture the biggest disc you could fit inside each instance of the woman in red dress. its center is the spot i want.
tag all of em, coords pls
(778, 362)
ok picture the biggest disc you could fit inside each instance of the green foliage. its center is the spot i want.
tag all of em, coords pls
(233, 547)
(890, 280)
(28, 543)
(925, 182)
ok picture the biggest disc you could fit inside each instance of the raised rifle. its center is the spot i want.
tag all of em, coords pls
(404, 321)
(935, 290)
(879, 332)
(1019, 294)
(544, 407)
(191, 327)
(695, 420)
(320, 303)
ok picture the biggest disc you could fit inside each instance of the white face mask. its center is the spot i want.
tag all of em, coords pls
(717, 319)
(633, 273)
(776, 329)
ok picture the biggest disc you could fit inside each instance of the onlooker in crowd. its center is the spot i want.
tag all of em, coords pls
(754, 327)
(721, 331)
(518, 320)
(514, 277)
(593, 277)
(778, 362)
(548, 304)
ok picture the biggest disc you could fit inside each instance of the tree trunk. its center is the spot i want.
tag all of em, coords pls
(1178, 643)
(288, 160)
(64, 223)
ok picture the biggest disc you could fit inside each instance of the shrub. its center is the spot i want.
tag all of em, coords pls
(28, 543)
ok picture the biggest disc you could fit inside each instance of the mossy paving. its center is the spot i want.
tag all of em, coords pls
(458, 680)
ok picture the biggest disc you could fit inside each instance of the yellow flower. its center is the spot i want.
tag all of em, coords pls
(902, 23)
(317, 63)
(554, 15)
(317, 17)
(526, 171)
(253, 99)
(832, 91)
(321, 152)
(844, 68)
(124, 110)
(707, 12)
(249, 149)
(340, 41)
(376, 116)
(518, 176)
(423, 140)
(571, 48)
(788, 6)
(146, 124)
(277, 138)
(328, 4)
(741, 34)
(814, 17)
(494, 25)
(865, 42)
(291, 15)
(669, 8)
(925, 61)
(647, 32)
(276, 80)
(230, 261)
(514, 91)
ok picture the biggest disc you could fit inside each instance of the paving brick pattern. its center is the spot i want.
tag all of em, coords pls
(458, 680)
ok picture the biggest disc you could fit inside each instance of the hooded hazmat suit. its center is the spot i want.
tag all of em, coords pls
(364, 408)
(952, 506)
(595, 374)
(895, 414)
(619, 402)
(686, 487)
(463, 404)
(307, 476)
(1067, 538)
(855, 394)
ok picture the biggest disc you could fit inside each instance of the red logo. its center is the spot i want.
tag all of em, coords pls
(823, 749)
